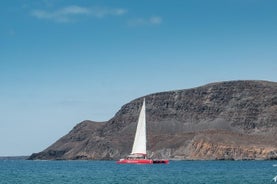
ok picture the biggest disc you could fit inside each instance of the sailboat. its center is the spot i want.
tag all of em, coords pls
(139, 154)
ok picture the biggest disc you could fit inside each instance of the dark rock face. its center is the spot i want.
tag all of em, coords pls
(226, 120)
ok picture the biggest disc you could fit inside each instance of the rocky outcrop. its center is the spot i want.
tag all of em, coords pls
(226, 120)
(233, 147)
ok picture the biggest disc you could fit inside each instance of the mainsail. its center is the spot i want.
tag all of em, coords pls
(139, 146)
(138, 155)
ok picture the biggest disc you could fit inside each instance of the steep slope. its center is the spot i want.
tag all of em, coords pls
(225, 120)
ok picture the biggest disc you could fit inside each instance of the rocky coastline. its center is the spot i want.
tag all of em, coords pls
(233, 120)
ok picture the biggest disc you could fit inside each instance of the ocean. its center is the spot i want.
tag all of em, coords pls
(104, 172)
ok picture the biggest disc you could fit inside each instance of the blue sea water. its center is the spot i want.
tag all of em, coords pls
(103, 172)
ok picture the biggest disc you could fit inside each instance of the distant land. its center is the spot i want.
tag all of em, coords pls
(233, 120)
(14, 157)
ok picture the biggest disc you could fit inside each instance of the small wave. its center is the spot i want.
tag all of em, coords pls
(275, 179)
(274, 165)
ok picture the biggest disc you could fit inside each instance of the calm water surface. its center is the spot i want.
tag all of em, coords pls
(102, 172)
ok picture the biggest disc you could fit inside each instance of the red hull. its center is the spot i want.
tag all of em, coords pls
(142, 161)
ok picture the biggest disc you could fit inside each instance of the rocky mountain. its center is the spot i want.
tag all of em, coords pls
(225, 120)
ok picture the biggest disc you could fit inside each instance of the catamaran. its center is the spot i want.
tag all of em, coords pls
(138, 154)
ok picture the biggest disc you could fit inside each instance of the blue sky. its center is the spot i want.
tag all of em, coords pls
(64, 61)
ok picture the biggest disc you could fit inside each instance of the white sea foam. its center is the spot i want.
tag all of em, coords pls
(275, 179)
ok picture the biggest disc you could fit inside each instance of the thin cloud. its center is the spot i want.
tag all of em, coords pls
(103, 12)
(154, 20)
(71, 13)
(11, 32)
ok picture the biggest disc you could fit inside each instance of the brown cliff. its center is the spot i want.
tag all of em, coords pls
(225, 120)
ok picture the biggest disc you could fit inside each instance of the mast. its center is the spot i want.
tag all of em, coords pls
(139, 146)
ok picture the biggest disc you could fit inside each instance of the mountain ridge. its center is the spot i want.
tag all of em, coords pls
(231, 120)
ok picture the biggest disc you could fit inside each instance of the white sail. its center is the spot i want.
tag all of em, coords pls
(139, 145)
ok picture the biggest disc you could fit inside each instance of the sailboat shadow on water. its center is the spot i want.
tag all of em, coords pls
(138, 154)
